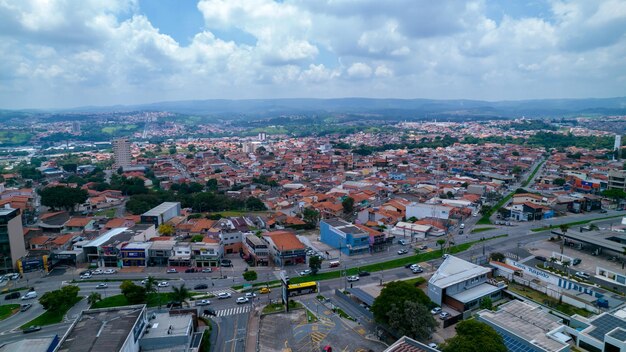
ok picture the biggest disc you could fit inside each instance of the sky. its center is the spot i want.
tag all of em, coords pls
(68, 53)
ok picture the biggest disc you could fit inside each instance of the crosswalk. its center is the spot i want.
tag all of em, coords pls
(245, 308)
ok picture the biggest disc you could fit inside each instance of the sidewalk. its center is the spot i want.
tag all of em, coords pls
(75, 311)
(254, 326)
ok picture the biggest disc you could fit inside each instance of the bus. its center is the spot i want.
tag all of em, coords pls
(302, 289)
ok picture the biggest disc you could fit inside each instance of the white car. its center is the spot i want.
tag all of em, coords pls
(444, 315)
(353, 278)
(163, 284)
(435, 310)
(172, 271)
(102, 285)
(250, 295)
(97, 272)
(432, 345)
(242, 300)
(207, 270)
(110, 271)
(223, 295)
(582, 275)
(85, 276)
(414, 266)
(204, 302)
(305, 272)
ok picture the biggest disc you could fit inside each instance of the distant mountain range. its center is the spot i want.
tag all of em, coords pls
(383, 108)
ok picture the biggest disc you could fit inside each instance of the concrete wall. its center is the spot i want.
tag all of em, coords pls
(16, 238)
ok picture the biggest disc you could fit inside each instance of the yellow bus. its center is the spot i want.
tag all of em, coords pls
(302, 289)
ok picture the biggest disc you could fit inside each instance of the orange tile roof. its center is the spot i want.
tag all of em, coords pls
(61, 240)
(202, 225)
(285, 240)
(39, 240)
(78, 222)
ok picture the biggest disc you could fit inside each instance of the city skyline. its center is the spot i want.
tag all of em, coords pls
(67, 54)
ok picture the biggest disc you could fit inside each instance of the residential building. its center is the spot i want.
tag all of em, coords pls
(161, 213)
(12, 245)
(346, 237)
(121, 152)
(526, 327)
(617, 179)
(285, 248)
(462, 285)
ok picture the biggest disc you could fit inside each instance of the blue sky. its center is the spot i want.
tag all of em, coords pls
(93, 52)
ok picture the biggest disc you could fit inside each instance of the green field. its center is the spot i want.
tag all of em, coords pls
(154, 300)
(14, 137)
(114, 129)
(7, 310)
(48, 317)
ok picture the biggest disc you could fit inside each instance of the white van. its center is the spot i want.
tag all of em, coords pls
(462, 226)
(29, 295)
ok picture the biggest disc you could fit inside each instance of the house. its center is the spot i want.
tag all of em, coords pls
(346, 237)
(285, 248)
(77, 224)
(462, 285)
(53, 222)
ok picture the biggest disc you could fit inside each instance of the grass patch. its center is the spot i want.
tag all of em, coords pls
(525, 183)
(482, 229)
(542, 298)
(273, 308)
(111, 301)
(310, 317)
(51, 317)
(109, 213)
(343, 314)
(570, 224)
(7, 310)
(416, 281)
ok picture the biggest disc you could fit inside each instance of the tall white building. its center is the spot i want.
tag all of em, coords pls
(121, 152)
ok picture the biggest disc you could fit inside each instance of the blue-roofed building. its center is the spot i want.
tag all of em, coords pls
(346, 237)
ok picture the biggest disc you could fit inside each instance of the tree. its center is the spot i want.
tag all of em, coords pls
(191, 148)
(614, 193)
(497, 256)
(151, 285)
(211, 185)
(166, 229)
(516, 170)
(552, 260)
(58, 300)
(474, 336)
(310, 216)
(413, 320)
(134, 294)
(565, 266)
(254, 203)
(315, 264)
(485, 209)
(63, 197)
(440, 243)
(70, 167)
(180, 294)
(559, 181)
(486, 303)
(172, 150)
(197, 238)
(250, 275)
(93, 298)
(396, 292)
(515, 153)
(348, 205)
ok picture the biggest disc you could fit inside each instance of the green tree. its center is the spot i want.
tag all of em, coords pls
(497, 257)
(61, 197)
(211, 185)
(440, 243)
(151, 285)
(565, 266)
(172, 150)
(614, 193)
(486, 303)
(255, 204)
(197, 238)
(58, 300)
(191, 148)
(310, 216)
(516, 170)
(486, 209)
(559, 181)
(134, 294)
(93, 298)
(166, 230)
(396, 292)
(348, 205)
(474, 336)
(412, 319)
(71, 167)
(315, 264)
(515, 153)
(250, 275)
(180, 294)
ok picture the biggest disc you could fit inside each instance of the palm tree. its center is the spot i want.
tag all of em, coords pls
(441, 242)
(93, 298)
(180, 294)
(151, 285)
(552, 261)
(565, 265)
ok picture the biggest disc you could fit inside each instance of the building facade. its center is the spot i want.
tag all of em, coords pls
(12, 245)
(346, 237)
(121, 152)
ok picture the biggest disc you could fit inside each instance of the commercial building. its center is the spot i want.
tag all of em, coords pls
(206, 254)
(12, 245)
(525, 327)
(346, 237)
(135, 254)
(617, 179)
(425, 210)
(169, 331)
(256, 250)
(161, 213)
(407, 344)
(462, 285)
(285, 248)
(121, 152)
(602, 333)
(106, 330)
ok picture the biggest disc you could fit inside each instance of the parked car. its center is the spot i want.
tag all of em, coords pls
(97, 272)
(12, 295)
(417, 270)
(582, 275)
(540, 258)
(352, 278)
(30, 329)
(432, 344)
(576, 261)
(242, 300)
(29, 295)
(603, 211)
(207, 270)
(172, 271)
(422, 247)
(264, 290)
(402, 242)
(25, 307)
(102, 285)
(364, 273)
(110, 271)
(408, 266)
(14, 276)
(223, 295)
(402, 251)
(435, 310)
(250, 295)
(444, 315)
(305, 272)
(204, 302)
(201, 287)
(85, 276)
(163, 284)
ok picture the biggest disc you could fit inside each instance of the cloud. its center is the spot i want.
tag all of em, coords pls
(359, 70)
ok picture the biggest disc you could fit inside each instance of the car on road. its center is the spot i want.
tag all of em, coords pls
(172, 271)
(25, 307)
(264, 290)
(30, 329)
(204, 302)
(422, 247)
(444, 315)
(432, 344)
(12, 295)
(250, 295)
(462, 226)
(14, 276)
(364, 273)
(223, 295)
(402, 251)
(582, 275)
(209, 312)
(201, 287)
(305, 272)
(97, 272)
(417, 270)
(110, 271)
(85, 276)
(414, 266)
(435, 310)
(242, 300)
(102, 285)
(352, 278)
(408, 266)
(163, 284)
(207, 270)
(29, 295)
(402, 242)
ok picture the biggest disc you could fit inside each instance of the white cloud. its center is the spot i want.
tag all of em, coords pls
(359, 70)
